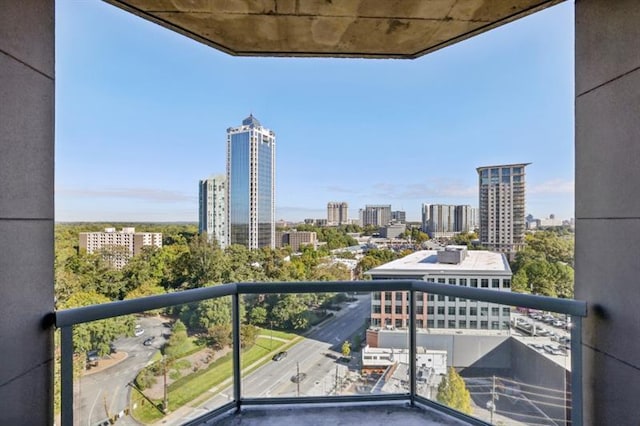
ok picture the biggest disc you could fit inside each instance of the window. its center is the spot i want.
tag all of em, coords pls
(441, 280)
(419, 323)
(463, 282)
(474, 282)
(452, 281)
(473, 324)
(484, 311)
(473, 311)
(506, 283)
(376, 309)
(429, 323)
(440, 310)
(506, 311)
(484, 325)
(495, 311)
(430, 280)
(452, 310)
(375, 322)
(462, 324)
(399, 296)
(440, 323)
(387, 309)
(451, 324)
(398, 309)
(419, 309)
(462, 310)
(495, 325)
(387, 295)
(376, 295)
(440, 298)
(495, 283)
(430, 297)
(484, 283)
(398, 323)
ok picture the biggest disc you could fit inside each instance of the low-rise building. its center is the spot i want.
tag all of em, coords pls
(454, 265)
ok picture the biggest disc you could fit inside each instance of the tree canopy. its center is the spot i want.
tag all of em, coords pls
(453, 392)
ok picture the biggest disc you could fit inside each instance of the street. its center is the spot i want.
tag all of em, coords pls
(97, 396)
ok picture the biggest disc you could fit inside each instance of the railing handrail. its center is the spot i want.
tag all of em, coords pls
(69, 317)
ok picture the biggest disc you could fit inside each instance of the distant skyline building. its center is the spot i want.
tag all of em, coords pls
(376, 215)
(399, 216)
(447, 220)
(337, 213)
(212, 215)
(117, 247)
(296, 239)
(251, 152)
(502, 207)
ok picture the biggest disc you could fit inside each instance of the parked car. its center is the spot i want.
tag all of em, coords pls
(149, 340)
(139, 331)
(279, 356)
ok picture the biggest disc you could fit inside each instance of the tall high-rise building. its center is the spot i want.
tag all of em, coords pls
(377, 215)
(425, 217)
(212, 217)
(251, 151)
(445, 220)
(337, 213)
(502, 205)
(399, 216)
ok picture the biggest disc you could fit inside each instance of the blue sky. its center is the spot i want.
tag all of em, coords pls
(142, 113)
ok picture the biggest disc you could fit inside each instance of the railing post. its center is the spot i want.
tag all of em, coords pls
(237, 373)
(412, 346)
(576, 371)
(66, 375)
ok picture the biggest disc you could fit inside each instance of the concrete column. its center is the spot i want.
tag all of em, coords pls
(26, 210)
(608, 206)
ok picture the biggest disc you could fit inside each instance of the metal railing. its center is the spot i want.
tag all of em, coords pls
(66, 319)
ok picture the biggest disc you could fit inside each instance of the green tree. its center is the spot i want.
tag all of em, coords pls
(178, 341)
(220, 335)
(258, 315)
(453, 392)
(346, 348)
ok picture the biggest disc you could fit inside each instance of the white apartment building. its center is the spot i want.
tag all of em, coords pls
(212, 217)
(117, 247)
(337, 213)
(454, 265)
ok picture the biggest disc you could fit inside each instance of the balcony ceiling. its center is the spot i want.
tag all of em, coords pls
(332, 28)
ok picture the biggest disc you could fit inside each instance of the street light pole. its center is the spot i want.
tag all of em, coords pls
(165, 402)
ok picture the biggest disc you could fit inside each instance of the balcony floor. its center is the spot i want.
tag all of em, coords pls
(381, 414)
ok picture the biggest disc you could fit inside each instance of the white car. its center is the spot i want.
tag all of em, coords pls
(139, 331)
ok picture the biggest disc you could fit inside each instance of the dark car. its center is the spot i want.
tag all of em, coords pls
(149, 341)
(279, 356)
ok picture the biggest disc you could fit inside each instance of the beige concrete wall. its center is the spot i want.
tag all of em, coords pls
(26, 210)
(608, 206)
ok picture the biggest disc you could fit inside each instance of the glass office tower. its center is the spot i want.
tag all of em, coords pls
(251, 184)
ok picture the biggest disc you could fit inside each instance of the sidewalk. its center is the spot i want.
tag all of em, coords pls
(103, 364)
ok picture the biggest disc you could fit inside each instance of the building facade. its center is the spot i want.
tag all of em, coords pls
(251, 157)
(117, 247)
(212, 215)
(502, 207)
(296, 239)
(376, 215)
(445, 220)
(399, 216)
(337, 213)
(454, 266)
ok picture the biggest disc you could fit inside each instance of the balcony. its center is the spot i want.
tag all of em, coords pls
(315, 383)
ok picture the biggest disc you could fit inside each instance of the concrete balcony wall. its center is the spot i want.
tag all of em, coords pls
(26, 210)
(608, 205)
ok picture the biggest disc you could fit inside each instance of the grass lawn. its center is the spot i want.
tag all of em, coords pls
(194, 385)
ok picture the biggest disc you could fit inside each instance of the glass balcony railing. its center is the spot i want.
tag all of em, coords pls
(190, 356)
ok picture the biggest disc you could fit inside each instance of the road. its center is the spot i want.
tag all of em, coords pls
(310, 356)
(106, 391)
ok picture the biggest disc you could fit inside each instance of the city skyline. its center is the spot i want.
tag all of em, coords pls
(336, 119)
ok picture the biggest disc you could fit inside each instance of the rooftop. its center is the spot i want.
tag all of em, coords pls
(426, 261)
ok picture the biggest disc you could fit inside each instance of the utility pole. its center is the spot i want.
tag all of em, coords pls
(493, 396)
(271, 330)
(165, 401)
(336, 380)
(298, 377)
